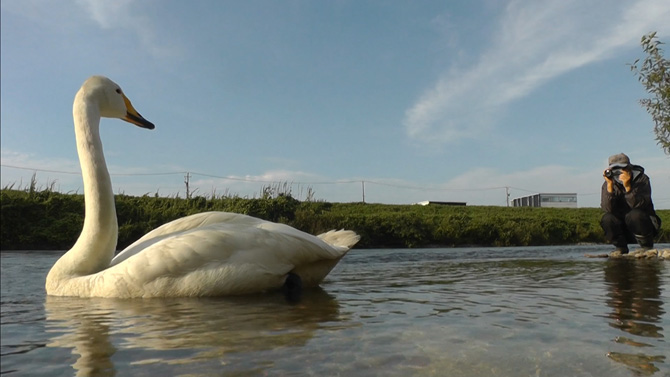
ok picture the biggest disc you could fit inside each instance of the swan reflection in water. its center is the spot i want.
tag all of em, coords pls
(183, 330)
(636, 309)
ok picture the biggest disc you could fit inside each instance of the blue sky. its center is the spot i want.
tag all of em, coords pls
(421, 100)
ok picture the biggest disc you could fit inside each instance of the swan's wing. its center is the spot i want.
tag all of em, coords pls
(228, 257)
(182, 225)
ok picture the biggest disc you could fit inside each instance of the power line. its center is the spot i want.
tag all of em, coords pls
(423, 188)
(179, 172)
(363, 182)
(79, 173)
(43, 170)
(266, 181)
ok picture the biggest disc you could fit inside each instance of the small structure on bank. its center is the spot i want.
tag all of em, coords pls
(428, 202)
(555, 200)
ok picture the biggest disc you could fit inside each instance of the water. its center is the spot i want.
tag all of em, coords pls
(425, 312)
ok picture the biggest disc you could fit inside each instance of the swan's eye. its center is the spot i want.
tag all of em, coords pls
(118, 90)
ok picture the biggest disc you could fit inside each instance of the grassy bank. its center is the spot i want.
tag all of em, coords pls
(43, 220)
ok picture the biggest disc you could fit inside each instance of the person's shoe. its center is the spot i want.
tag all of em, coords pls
(621, 249)
(646, 242)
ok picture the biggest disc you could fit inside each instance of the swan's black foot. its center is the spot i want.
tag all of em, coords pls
(292, 287)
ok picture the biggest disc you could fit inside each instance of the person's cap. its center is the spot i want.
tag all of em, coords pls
(618, 161)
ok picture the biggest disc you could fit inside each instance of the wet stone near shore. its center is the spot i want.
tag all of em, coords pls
(663, 254)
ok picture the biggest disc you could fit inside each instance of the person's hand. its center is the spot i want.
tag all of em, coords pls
(625, 178)
(609, 181)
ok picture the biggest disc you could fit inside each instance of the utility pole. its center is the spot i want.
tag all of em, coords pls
(187, 179)
(363, 187)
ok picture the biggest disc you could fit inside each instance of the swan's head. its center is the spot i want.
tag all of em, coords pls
(112, 101)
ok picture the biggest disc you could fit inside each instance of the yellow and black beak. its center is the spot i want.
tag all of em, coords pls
(132, 116)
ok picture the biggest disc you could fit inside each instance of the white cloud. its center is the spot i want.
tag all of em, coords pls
(62, 174)
(536, 42)
(127, 15)
(485, 186)
(107, 14)
(298, 183)
(479, 186)
(112, 15)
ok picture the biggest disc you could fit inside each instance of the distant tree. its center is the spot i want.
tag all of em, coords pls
(654, 74)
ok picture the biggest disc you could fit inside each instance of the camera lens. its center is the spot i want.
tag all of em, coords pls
(608, 173)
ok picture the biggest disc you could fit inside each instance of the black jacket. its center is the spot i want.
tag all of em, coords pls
(620, 202)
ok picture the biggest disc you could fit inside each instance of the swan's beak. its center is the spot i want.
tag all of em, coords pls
(132, 116)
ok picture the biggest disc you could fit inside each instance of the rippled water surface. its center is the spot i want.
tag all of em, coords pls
(424, 312)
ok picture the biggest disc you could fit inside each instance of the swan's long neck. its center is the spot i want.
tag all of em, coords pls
(96, 244)
(100, 231)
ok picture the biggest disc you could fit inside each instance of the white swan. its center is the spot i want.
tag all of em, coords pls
(208, 254)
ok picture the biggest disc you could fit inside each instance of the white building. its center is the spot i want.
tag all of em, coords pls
(429, 202)
(557, 200)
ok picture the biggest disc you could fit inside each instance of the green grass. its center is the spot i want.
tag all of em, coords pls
(43, 220)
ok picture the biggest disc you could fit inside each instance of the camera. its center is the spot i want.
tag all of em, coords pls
(609, 173)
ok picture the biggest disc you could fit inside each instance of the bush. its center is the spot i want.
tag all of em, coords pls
(38, 220)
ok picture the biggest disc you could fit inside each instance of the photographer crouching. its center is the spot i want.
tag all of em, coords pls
(626, 200)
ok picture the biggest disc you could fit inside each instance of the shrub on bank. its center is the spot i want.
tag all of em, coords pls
(33, 220)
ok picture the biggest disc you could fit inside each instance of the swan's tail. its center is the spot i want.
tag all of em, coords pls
(341, 241)
(340, 238)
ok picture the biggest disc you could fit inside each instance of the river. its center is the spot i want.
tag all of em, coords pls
(531, 311)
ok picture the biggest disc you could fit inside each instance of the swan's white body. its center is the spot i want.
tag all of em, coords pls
(208, 254)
